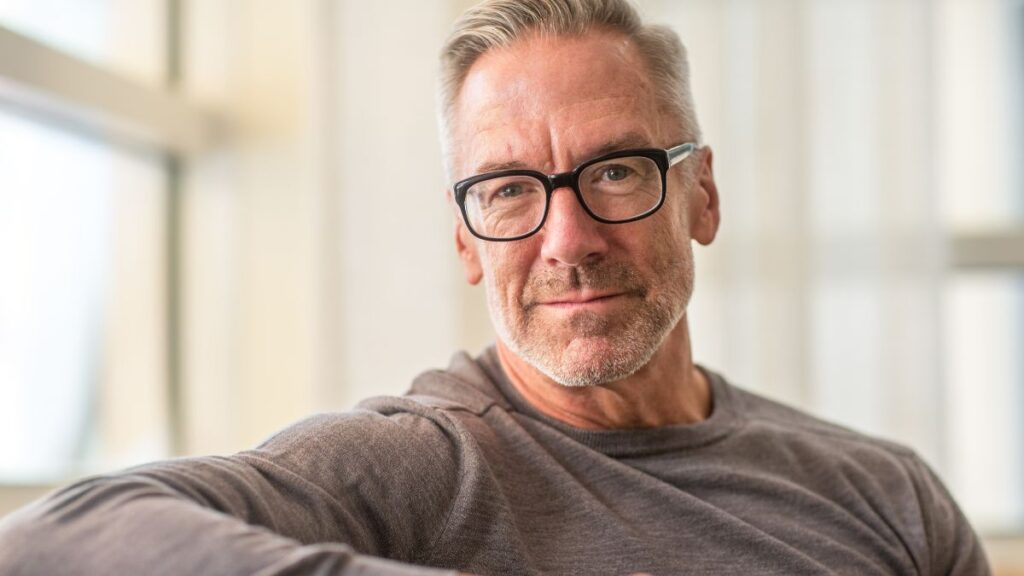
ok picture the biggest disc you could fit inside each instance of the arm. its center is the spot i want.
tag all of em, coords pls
(325, 496)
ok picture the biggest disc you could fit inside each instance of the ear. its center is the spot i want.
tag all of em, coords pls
(465, 246)
(705, 215)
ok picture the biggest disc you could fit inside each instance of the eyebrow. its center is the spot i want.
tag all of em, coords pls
(626, 141)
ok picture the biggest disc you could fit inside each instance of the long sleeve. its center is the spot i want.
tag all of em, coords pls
(955, 549)
(334, 494)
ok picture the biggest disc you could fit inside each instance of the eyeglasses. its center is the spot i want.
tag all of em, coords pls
(620, 187)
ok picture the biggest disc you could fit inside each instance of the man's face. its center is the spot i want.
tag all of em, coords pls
(584, 302)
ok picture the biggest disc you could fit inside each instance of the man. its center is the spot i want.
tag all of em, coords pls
(586, 441)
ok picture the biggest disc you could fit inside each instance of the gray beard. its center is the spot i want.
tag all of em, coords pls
(633, 338)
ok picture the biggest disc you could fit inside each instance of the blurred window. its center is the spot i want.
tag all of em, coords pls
(81, 304)
(124, 36)
(83, 260)
(981, 174)
(985, 396)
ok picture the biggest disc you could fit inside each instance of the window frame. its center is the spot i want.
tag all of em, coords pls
(49, 86)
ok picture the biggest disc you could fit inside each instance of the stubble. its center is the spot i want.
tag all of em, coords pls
(590, 348)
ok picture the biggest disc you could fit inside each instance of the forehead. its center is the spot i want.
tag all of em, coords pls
(544, 102)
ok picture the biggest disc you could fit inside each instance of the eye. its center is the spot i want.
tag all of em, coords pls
(616, 172)
(509, 191)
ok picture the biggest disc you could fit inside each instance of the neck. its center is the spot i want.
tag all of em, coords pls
(668, 390)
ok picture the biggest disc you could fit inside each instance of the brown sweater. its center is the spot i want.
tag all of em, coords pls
(462, 473)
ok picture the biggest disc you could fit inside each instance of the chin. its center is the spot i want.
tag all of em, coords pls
(588, 349)
(591, 361)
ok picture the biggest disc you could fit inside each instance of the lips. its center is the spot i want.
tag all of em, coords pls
(580, 298)
(586, 287)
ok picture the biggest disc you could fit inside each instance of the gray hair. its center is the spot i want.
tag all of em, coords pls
(500, 23)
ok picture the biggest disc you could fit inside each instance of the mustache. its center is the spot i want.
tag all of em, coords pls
(601, 276)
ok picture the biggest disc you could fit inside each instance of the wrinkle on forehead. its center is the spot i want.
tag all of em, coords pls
(596, 108)
(501, 137)
(526, 110)
(550, 107)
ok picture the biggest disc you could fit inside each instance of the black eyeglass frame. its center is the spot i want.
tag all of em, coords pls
(664, 158)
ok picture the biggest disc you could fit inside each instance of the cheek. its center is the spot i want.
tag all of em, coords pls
(677, 218)
(677, 197)
(667, 246)
(507, 267)
(669, 226)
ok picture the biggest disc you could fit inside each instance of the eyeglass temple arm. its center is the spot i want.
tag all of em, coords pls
(677, 154)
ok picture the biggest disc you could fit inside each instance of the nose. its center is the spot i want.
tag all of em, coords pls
(570, 236)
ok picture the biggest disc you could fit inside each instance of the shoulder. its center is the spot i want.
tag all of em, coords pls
(382, 428)
(882, 483)
(832, 460)
(421, 433)
(773, 417)
(391, 458)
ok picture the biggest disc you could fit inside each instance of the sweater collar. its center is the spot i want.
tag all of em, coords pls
(477, 384)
